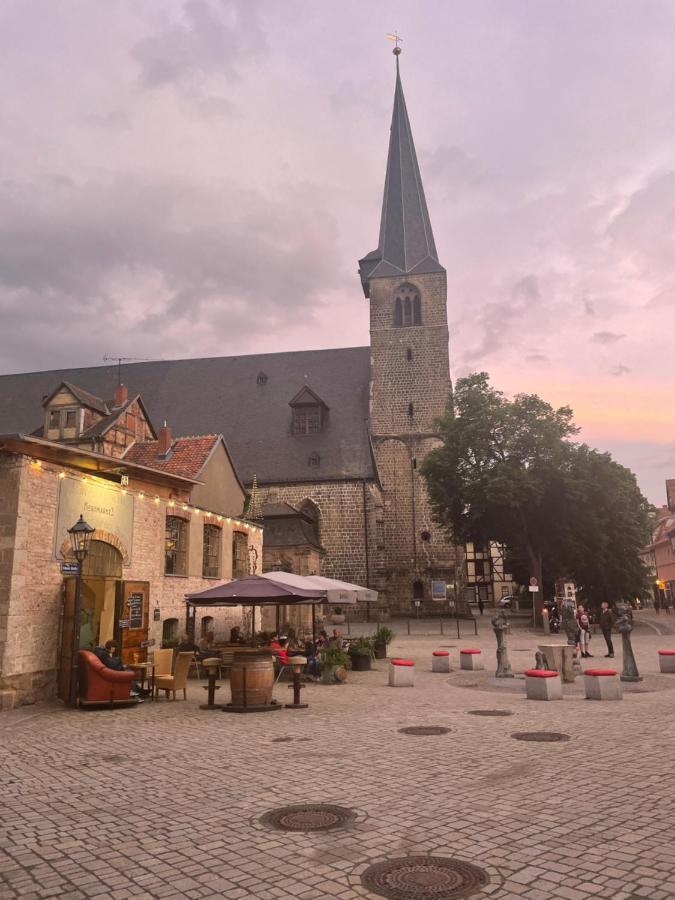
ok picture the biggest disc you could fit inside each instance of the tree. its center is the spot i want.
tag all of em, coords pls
(509, 471)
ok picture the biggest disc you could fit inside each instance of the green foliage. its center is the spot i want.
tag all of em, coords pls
(363, 647)
(337, 610)
(509, 471)
(384, 635)
(334, 656)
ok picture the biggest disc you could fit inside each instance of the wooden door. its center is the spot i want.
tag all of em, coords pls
(65, 662)
(133, 619)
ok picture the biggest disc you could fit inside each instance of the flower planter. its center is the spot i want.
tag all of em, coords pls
(333, 674)
(337, 619)
(380, 650)
(360, 662)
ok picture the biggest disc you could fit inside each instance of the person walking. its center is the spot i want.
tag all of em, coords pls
(584, 624)
(607, 621)
(481, 605)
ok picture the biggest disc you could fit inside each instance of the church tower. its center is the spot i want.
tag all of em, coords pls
(410, 372)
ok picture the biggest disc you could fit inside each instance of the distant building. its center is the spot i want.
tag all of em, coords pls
(659, 555)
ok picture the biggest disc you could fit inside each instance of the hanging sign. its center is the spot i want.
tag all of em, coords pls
(150, 643)
(70, 568)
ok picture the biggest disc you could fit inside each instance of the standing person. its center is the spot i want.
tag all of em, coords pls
(481, 605)
(584, 624)
(606, 624)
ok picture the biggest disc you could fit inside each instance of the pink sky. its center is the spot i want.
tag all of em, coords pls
(200, 178)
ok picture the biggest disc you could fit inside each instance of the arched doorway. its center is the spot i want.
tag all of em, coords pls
(111, 609)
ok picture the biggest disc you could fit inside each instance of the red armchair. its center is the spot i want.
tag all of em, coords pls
(99, 684)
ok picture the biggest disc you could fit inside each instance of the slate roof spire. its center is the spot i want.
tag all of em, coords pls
(406, 245)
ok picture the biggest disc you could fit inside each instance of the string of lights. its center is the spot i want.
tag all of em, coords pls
(37, 465)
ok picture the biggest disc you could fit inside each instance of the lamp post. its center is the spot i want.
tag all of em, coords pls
(80, 536)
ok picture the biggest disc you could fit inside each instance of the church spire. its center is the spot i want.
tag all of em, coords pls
(406, 245)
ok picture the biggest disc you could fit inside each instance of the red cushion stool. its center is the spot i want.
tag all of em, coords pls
(401, 672)
(667, 662)
(543, 684)
(440, 661)
(470, 658)
(602, 684)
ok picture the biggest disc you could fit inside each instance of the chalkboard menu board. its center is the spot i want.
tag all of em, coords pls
(135, 604)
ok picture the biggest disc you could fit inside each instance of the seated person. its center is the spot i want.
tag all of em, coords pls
(336, 639)
(206, 645)
(283, 650)
(322, 640)
(235, 635)
(109, 656)
(274, 643)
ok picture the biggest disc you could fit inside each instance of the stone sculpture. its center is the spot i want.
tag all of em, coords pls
(500, 624)
(624, 625)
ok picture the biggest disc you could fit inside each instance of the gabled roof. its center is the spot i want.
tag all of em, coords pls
(98, 429)
(306, 397)
(221, 396)
(85, 398)
(406, 245)
(187, 457)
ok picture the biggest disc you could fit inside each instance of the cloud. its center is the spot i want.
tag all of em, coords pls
(537, 358)
(212, 37)
(619, 370)
(500, 319)
(606, 337)
(112, 265)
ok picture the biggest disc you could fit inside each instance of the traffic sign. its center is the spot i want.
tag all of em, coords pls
(533, 581)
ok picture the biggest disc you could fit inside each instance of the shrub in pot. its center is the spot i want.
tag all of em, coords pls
(361, 653)
(383, 637)
(337, 617)
(332, 659)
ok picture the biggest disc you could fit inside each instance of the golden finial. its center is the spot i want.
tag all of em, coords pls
(395, 37)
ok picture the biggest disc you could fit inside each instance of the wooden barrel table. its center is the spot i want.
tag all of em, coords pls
(252, 680)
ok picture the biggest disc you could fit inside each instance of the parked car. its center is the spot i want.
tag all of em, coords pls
(506, 602)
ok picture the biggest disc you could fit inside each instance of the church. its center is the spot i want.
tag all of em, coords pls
(337, 434)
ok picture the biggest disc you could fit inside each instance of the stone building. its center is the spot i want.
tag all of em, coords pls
(168, 522)
(344, 430)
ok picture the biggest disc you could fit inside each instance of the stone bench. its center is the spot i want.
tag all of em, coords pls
(543, 684)
(440, 661)
(602, 684)
(667, 662)
(471, 658)
(401, 673)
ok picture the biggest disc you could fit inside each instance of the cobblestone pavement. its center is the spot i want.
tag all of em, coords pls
(164, 799)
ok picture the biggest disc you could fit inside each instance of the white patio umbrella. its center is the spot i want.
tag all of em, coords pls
(336, 591)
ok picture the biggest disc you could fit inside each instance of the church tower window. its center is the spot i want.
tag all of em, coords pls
(417, 310)
(398, 313)
(407, 306)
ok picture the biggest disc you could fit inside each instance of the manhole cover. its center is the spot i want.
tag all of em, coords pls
(308, 817)
(424, 878)
(424, 729)
(545, 737)
(490, 712)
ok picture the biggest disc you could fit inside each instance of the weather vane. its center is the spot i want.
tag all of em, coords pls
(396, 39)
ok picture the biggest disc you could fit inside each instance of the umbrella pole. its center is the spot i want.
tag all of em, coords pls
(278, 619)
(253, 625)
(314, 623)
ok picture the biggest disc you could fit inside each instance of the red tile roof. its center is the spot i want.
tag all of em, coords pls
(186, 457)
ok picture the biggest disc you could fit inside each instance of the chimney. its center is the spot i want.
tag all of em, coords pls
(121, 396)
(164, 439)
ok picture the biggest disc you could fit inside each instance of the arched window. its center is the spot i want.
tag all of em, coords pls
(175, 546)
(102, 560)
(206, 625)
(211, 552)
(240, 561)
(407, 306)
(169, 632)
(418, 590)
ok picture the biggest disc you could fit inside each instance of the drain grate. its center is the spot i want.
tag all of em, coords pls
(424, 878)
(308, 817)
(544, 737)
(424, 729)
(490, 712)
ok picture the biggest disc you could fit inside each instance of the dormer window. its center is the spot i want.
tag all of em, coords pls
(262, 378)
(308, 413)
(407, 307)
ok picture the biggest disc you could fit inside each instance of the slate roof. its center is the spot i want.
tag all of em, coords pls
(221, 395)
(286, 526)
(406, 245)
(85, 398)
(186, 457)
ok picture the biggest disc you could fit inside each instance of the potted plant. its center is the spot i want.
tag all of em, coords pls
(383, 637)
(361, 652)
(332, 660)
(337, 618)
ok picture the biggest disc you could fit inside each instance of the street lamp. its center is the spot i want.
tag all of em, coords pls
(80, 537)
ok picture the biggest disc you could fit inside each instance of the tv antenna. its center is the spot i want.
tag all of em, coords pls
(120, 359)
